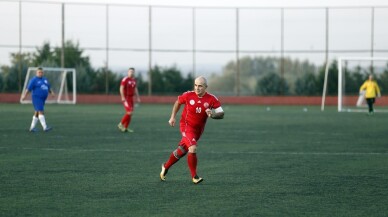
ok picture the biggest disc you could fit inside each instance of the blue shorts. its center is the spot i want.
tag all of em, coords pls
(38, 102)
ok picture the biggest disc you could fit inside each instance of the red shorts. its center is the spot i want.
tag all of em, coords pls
(128, 105)
(189, 139)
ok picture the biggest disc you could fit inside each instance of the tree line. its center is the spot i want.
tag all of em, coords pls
(263, 76)
(165, 80)
(258, 75)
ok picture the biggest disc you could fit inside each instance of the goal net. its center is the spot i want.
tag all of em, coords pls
(62, 81)
(352, 72)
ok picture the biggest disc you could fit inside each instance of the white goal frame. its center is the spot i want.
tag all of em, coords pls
(341, 74)
(62, 92)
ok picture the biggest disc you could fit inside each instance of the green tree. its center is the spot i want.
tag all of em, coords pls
(307, 85)
(88, 79)
(13, 76)
(1, 79)
(354, 78)
(157, 80)
(332, 79)
(44, 56)
(169, 80)
(295, 69)
(102, 77)
(141, 84)
(272, 84)
(172, 79)
(74, 58)
(188, 83)
(254, 69)
(383, 81)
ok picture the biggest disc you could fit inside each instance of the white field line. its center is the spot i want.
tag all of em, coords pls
(211, 152)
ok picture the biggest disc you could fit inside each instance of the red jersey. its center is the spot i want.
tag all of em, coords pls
(129, 86)
(194, 117)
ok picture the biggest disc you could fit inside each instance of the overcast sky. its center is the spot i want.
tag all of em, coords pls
(304, 29)
(242, 3)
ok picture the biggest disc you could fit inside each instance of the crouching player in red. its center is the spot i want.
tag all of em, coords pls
(198, 106)
(128, 89)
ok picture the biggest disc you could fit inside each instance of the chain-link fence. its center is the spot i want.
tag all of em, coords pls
(242, 51)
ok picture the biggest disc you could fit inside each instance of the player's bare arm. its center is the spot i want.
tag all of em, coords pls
(217, 114)
(122, 93)
(175, 110)
(137, 95)
(26, 92)
(52, 92)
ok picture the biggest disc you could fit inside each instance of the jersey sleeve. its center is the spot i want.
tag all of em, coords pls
(123, 81)
(216, 103)
(182, 98)
(30, 85)
(377, 88)
(48, 86)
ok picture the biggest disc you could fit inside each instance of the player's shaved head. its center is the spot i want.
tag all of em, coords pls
(200, 85)
(201, 80)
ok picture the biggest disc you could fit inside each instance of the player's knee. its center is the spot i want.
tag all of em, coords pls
(180, 152)
(193, 149)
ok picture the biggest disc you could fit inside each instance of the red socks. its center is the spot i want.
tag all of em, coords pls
(174, 157)
(171, 161)
(126, 120)
(192, 162)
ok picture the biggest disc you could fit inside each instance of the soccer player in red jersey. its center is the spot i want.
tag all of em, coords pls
(128, 89)
(198, 106)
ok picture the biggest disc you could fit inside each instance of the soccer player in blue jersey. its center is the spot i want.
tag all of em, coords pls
(40, 88)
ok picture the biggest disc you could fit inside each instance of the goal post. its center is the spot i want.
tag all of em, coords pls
(352, 72)
(62, 81)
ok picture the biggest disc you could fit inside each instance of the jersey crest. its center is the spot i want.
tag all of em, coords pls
(131, 83)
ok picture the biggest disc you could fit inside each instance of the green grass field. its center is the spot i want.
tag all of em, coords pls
(283, 162)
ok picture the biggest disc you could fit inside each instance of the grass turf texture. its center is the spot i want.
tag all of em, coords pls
(283, 162)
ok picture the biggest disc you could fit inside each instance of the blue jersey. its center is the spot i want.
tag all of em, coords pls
(39, 87)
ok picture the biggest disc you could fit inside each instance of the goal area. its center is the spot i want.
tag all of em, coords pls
(62, 81)
(352, 73)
